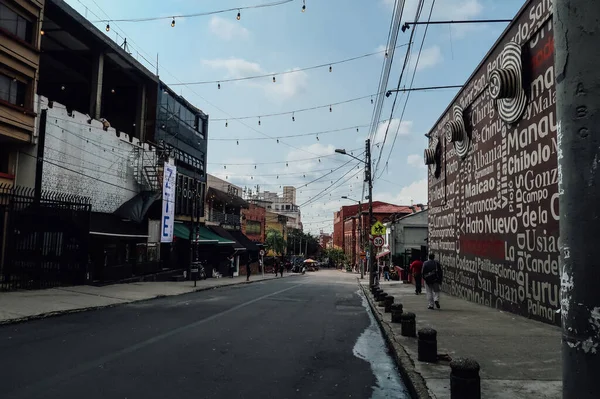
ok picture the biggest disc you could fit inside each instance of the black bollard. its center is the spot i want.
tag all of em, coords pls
(427, 345)
(396, 312)
(381, 295)
(409, 324)
(464, 379)
(381, 299)
(387, 303)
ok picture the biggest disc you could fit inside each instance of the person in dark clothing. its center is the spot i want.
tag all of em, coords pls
(230, 259)
(416, 267)
(433, 276)
(281, 269)
(386, 272)
(248, 268)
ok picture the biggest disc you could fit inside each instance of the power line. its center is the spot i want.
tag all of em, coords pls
(408, 94)
(198, 14)
(319, 196)
(268, 75)
(404, 65)
(357, 127)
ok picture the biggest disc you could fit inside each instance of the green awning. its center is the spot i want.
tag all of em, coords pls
(207, 235)
(182, 230)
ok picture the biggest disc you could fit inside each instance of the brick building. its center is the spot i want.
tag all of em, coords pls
(356, 228)
(253, 223)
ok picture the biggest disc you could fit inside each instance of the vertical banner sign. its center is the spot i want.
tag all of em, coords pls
(168, 206)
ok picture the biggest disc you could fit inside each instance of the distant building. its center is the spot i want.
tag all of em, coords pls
(284, 205)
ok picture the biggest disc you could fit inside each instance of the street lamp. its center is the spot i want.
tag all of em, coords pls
(369, 180)
(360, 233)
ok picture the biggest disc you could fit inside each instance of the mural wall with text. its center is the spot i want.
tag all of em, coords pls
(494, 221)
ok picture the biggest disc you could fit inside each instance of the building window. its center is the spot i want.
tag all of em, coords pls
(15, 24)
(253, 227)
(12, 90)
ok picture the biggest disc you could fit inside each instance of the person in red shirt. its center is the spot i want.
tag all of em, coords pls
(415, 268)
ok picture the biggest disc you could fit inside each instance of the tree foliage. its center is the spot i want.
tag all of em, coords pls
(295, 237)
(275, 241)
(336, 255)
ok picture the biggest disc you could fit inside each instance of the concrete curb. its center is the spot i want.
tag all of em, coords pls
(414, 381)
(98, 307)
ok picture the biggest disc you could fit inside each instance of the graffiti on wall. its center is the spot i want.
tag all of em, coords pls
(493, 220)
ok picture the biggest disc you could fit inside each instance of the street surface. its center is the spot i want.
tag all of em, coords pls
(301, 337)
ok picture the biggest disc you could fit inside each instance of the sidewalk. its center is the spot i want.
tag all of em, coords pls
(16, 306)
(519, 358)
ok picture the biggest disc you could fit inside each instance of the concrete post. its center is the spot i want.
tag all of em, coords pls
(427, 345)
(397, 310)
(96, 86)
(387, 303)
(408, 322)
(578, 138)
(464, 379)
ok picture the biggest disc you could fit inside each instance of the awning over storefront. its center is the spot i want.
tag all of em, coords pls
(227, 236)
(111, 225)
(382, 254)
(206, 236)
(245, 241)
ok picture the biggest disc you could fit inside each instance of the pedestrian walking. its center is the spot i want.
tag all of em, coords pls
(433, 276)
(281, 269)
(248, 268)
(386, 272)
(231, 266)
(416, 267)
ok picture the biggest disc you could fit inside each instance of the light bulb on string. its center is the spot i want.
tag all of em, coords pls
(371, 100)
(259, 121)
(173, 23)
(317, 137)
(42, 32)
(356, 130)
(239, 15)
(273, 79)
(286, 164)
(319, 159)
(278, 176)
(304, 6)
(224, 166)
(330, 109)
(237, 142)
(254, 166)
(330, 68)
(226, 123)
(293, 117)
(277, 141)
(107, 27)
(219, 86)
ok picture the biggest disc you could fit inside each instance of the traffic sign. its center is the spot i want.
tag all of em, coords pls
(378, 241)
(378, 229)
(262, 252)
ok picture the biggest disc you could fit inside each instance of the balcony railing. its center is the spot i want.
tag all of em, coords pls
(224, 218)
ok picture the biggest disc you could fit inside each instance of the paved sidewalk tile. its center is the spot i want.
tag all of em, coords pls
(519, 358)
(22, 305)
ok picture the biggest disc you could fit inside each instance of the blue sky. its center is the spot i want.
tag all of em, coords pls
(282, 38)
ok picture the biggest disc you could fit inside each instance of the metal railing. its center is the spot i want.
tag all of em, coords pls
(224, 218)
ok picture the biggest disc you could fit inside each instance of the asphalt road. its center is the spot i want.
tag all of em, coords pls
(299, 337)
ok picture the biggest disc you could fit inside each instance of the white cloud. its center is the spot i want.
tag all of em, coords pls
(286, 85)
(416, 161)
(226, 29)
(394, 124)
(415, 192)
(430, 57)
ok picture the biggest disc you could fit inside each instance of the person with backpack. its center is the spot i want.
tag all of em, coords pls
(433, 275)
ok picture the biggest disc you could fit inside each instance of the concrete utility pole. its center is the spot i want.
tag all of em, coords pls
(578, 138)
(360, 240)
(369, 178)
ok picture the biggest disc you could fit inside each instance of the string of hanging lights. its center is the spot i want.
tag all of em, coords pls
(198, 14)
(328, 65)
(238, 139)
(294, 112)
